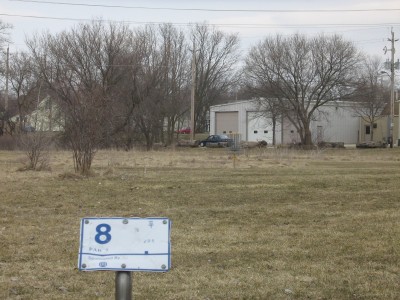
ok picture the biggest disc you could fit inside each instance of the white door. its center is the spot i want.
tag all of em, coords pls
(259, 128)
(367, 132)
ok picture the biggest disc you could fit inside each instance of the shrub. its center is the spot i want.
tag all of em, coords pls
(36, 146)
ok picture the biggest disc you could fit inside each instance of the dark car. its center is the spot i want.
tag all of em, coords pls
(217, 140)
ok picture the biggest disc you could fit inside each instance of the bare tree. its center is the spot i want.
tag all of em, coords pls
(4, 33)
(159, 81)
(270, 109)
(370, 97)
(23, 84)
(216, 55)
(36, 146)
(80, 66)
(4, 38)
(146, 81)
(175, 77)
(303, 74)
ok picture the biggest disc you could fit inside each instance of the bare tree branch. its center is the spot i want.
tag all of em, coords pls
(79, 67)
(370, 96)
(216, 57)
(303, 74)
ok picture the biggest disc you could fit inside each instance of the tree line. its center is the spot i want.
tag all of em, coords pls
(115, 85)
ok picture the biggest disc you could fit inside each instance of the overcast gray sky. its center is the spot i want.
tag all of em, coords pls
(366, 22)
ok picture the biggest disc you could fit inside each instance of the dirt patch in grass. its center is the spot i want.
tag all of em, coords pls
(274, 224)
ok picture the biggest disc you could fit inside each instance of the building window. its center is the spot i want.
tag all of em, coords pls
(224, 132)
(255, 131)
(375, 125)
(265, 131)
(367, 129)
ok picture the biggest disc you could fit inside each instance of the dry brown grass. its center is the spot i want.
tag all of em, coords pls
(281, 224)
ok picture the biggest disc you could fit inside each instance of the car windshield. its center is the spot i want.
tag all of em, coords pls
(223, 136)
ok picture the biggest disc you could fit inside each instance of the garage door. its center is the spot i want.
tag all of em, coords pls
(258, 128)
(226, 122)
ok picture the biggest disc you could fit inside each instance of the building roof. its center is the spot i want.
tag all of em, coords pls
(243, 102)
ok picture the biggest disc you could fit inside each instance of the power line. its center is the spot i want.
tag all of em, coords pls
(239, 25)
(213, 10)
(44, 17)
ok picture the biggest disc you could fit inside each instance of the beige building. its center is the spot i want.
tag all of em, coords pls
(380, 131)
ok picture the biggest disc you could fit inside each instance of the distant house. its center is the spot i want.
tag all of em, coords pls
(46, 117)
(334, 122)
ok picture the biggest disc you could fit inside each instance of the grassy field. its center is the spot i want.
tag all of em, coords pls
(273, 224)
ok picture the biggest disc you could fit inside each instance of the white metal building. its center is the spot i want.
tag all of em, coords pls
(334, 122)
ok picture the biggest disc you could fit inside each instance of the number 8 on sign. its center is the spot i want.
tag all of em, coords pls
(103, 235)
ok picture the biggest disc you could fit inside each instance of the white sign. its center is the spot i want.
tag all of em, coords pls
(125, 244)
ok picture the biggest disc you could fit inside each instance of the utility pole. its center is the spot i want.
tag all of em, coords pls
(7, 71)
(192, 96)
(392, 50)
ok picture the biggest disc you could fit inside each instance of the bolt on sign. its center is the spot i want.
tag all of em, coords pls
(125, 244)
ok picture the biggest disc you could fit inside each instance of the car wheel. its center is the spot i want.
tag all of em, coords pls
(202, 144)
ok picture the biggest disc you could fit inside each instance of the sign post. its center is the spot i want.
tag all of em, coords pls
(123, 286)
(125, 245)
